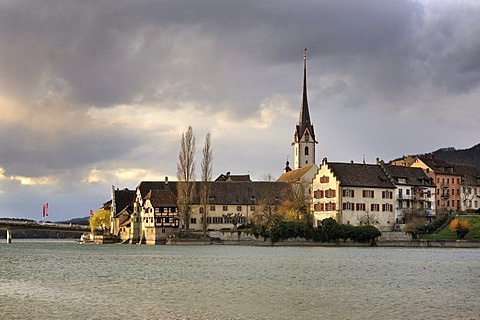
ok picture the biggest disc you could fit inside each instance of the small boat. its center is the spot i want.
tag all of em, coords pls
(87, 237)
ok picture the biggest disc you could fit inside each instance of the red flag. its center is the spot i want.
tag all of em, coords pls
(45, 210)
(91, 212)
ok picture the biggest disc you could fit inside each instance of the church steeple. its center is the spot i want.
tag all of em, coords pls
(304, 138)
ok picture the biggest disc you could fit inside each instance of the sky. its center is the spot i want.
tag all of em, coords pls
(98, 93)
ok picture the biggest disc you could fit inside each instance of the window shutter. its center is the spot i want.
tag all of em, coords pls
(353, 206)
(391, 195)
(333, 193)
(371, 207)
(333, 206)
(352, 193)
(373, 194)
(344, 193)
(321, 193)
(363, 193)
(344, 206)
(383, 194)
(327, 179)
(383, 207)
(322, 206)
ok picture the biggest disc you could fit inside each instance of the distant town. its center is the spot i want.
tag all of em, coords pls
(386, 196)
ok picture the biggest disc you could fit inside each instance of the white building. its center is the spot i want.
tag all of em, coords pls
(353, 193)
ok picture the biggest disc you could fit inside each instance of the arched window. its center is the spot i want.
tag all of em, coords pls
(306, 151)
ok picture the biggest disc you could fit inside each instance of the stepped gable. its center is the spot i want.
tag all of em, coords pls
(162, 198)
(360, 175)
(295, 175)
(413, 176)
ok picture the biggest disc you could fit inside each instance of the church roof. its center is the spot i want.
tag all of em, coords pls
(295, 175)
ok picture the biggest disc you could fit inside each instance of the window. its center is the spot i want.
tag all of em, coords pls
(348, 193)
(374, 207)
(368, 193)
(193, 220)
(458, 180)
(306, 151)
(324, 179)
(348, 206)
(163, 230)
(387, 207)
(157, 210)
(330, 206)
(400, 193)
(225, 208)
(360, 206)
(252, 208)
(387, 194)
(330, 193)
(318, 194)
(319, 207)
(200, 210)
(458, 203)
(407, 192)
(453, 192)
(239, 208)
(212, 208)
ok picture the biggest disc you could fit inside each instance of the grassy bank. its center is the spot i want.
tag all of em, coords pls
(447, 234)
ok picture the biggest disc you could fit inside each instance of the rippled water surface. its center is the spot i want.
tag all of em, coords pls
(65, 280)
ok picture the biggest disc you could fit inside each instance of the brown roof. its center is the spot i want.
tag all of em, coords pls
(295, 175)
(162, 198)
(226, 192)
(360, 175)
(413, 176)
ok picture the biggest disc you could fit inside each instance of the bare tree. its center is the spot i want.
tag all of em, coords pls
(267, 213)
(186, 176)
(368, 219)
(206, 181)
(234, 218)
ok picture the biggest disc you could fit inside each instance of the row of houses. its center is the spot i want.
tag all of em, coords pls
(383, 195)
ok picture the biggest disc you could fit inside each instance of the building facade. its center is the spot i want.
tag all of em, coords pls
(353, 193)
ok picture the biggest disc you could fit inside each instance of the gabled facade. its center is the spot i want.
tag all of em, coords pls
(353, 193)
(304, 136)
(415, 191)
(448, 183)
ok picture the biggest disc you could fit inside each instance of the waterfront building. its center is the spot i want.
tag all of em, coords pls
(152, 213)
(448, 183)
(470, 189)
(353, 193)
(304, 137)
(415, 192)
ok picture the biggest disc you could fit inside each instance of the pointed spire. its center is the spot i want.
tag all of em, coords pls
(304, 113)
(304, 118)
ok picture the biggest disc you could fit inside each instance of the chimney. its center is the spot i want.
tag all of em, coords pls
(166, 180)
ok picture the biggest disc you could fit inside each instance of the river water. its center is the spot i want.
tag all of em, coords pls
(67, 280)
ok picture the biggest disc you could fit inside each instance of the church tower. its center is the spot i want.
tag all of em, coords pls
(304, 137)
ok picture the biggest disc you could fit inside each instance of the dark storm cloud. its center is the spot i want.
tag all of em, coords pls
(111, 84)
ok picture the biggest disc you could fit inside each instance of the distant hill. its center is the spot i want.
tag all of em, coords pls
(82, 221)
(464, 156)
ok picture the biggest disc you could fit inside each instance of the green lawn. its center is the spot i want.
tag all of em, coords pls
(447, 234)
